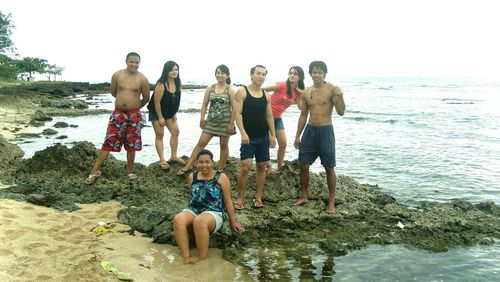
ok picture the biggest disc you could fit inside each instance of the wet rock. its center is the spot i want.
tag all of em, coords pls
(63, 104)
(10, 154)
(62, 137)
(49, 131)
(39, 115)
(365, 215)
(61, 124)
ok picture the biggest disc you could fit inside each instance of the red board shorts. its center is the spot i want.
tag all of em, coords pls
(124, 129)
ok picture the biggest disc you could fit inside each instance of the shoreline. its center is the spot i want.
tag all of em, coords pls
(53, 177)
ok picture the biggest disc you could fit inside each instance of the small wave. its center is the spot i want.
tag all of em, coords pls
(386, 88)
(460, 103)
(360, 118)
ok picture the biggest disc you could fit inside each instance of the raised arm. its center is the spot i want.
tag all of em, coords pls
(298, 101)
(239, 98)
(304, 111)
(204, 106)
(273, 87)
(338, 100)
(228, 203)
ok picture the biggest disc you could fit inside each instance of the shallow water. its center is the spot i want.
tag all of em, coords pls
(419, 139)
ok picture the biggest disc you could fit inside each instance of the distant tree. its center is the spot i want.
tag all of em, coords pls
(54, 70)
(32, 65)
(8, 68)
(6, 26)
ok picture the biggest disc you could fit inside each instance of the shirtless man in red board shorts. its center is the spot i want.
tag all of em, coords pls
(124, 126)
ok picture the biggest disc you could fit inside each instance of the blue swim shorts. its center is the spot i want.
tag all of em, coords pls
(256, 146)
(318, 141)
(153, 116)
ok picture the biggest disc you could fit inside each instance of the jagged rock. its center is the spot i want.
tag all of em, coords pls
(39, 115)
(61, 124)
(49, 131)
(364, 214)
(10, 154)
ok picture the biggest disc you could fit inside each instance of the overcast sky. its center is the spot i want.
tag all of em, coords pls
(355, 38)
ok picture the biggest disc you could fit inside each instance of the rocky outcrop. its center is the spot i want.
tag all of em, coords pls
(365, 215)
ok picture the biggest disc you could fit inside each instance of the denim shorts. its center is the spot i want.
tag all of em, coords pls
(217, 216)
(256, 146)
(153, 116)
(318, 141)
(278, 124)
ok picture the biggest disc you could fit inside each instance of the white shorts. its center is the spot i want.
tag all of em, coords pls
(217, 216)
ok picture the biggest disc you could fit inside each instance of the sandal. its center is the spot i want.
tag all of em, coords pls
(131, 176)
(165, 166)
(238, 206)
(257, 204)
(183, 171)
(92, 177)
(271, 171)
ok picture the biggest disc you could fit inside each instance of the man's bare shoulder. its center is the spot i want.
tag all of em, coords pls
(143, 77)
(119, 72)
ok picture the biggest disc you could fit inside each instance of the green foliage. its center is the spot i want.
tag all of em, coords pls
(6, 26)
(8, 68)
(31, 65)
(54, 70)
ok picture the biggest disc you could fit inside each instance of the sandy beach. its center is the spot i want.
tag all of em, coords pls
(42, 244)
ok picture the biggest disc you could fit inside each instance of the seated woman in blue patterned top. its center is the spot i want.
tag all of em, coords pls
(210, 200)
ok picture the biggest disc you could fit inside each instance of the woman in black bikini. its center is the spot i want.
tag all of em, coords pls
(163, 108)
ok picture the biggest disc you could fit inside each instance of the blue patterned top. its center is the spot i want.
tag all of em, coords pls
(206, 195)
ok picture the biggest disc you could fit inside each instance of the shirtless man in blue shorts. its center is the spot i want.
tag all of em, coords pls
(318, 139)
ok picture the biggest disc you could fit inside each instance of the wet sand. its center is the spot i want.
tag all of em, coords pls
(42, 244)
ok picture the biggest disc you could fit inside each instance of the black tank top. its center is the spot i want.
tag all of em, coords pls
(169, 103)
(254, 115)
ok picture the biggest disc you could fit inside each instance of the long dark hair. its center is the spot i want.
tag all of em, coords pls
(224, 69)
(300, 83)
(167, 67)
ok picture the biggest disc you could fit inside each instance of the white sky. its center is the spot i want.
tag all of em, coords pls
(355, 38)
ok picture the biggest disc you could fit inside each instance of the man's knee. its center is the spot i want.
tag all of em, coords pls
(245, 166)
(261, 166)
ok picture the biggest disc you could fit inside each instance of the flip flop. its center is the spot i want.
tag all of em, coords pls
(92, 177)
(257, 204)
(181, 171)
(125, 276)
(131, 176)
(238, 206)
(177, 161)
(271, 171)
(165, 166)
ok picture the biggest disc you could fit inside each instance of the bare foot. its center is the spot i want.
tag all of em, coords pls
(187, 260)
(301, 201)
(331, 208)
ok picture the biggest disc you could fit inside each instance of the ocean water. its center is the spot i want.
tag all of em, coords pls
(419, 139)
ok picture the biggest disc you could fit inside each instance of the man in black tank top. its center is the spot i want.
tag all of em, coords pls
(253, 116)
